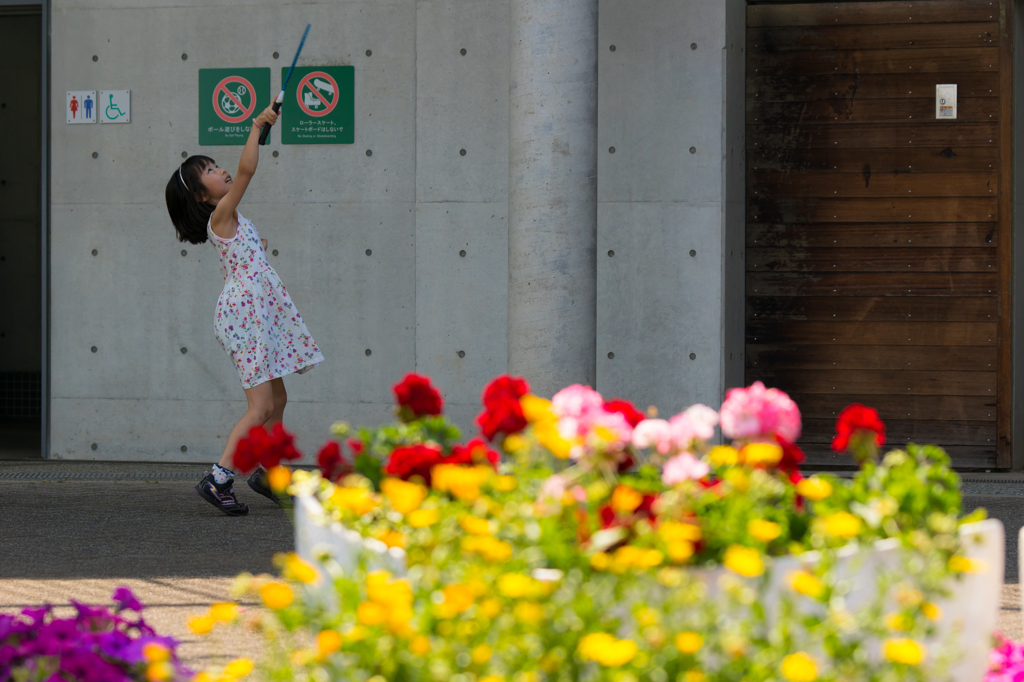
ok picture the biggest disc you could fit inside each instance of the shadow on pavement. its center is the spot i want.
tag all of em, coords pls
(133, 529)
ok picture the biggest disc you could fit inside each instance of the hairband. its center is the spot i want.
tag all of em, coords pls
(181, 178)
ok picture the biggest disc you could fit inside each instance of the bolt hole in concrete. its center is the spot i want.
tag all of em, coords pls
(369, 152)
(184, 155)
(276, 55)
(369, 252)
(692, 253)
(611, 150)
(462, 152)
(693, 356)
(184, 350)
(277, 154)
(184, 448)
(93, 446)
(95, 155)
(184, 56)
(462, 253)
(274, 252)
(463, 52)
(184, 252)
(95, 58)
(611, 48)
(611, 254)
(462, 353)
(95, 252)
(94, 349)
(693, 150)
(693, 46)
(369, 52)
(369, 352)
(611, 356)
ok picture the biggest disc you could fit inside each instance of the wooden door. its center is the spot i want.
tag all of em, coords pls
(878, 237)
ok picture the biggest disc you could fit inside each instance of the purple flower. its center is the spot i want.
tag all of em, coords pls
(124, 599)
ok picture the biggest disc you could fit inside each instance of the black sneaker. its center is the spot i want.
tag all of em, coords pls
(221, 496)
(259, 483)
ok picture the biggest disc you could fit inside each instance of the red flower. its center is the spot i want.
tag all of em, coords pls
(627, 409)
(265, 449)
(854, 419)
(355, 445)
(502, 411)
(473, 452)
(417, 397)
(413, 460)
(332, 465)
(792, 456)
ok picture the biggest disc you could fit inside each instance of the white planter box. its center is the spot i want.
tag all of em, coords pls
(971, 611)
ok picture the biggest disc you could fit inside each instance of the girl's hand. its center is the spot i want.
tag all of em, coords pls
(266, 116)
(264, 242)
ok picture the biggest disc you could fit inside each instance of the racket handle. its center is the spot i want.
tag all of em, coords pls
(265, 133)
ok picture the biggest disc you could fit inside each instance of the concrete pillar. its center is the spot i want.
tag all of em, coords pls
(552, 200)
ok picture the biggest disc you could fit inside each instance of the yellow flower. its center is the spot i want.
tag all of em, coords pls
(600, 561)
(625, 499)
(814, 488)
(806, 583)
(419, 645)
(694, 675)
(931, 611)
(514, 443)
(223, 612)
(393, 538)
(764, 531)
(462, 482)
(723, 455)
(515, 585)
(491, 678)
(490, 608)
(528, 612)
(547, 434)
(490, 548)
(297, 568)
(504, 484)
(155, 653)
(672, 531)
(744, 561)
(905, 651)
(761, 454)
(159, 671)
(200, 625)
(627, 557)
(620, 653)
(421, 518)
(899, 622)
(680, 552)
(689, 642)
(738, 478)
(356, 500)
(482, 653)
(536, 409)
(240, 667)
(474, 525)
(799, 667)
(327, 642)
(202, 677)
(962, 564)
(279, 478)
(842, 525)
(607, 650)
(404, 496)
(276, 595)
(371, 613)
(382, 590)
(457, 599)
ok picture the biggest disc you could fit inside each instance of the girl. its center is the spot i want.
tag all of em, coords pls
(256, 321)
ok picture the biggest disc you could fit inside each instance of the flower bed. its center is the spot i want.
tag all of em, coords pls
(613, 545)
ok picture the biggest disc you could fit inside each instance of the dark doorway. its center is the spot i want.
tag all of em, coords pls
(878, 233)
(21, 231)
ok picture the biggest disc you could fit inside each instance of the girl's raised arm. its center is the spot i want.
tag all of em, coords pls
(223, 218)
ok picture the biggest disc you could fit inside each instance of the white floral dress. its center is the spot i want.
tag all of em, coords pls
(256, 321)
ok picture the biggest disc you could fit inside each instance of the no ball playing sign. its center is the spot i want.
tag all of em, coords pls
(319, 106)
(228, 101)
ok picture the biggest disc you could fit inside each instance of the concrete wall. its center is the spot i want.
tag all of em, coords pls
(158, 385)
(670, 218)
(415, 203)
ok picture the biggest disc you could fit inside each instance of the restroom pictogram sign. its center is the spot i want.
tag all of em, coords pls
(228, 101)
(317, 93)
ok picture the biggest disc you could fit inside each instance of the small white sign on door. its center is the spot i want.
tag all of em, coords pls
(115, 106)
(945, 101)
(81, 106)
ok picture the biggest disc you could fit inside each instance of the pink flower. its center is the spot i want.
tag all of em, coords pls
(553, 488)
(653, 432)
(704, 421)
(759, 412)
(576, 407)
(684, 467)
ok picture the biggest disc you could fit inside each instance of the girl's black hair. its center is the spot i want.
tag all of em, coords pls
(189, 214)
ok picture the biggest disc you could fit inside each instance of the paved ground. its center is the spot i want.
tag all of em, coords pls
(75, 537)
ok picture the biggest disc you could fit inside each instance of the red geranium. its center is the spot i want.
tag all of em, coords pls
(266, 449)
(792, 456)
(858, 422)
(413, 460)
(355, 445)
(331, 462)
(502, 411)
(473, 452)
(626, 409)
(417, 397)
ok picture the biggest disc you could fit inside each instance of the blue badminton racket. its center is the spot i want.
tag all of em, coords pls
(284, 86)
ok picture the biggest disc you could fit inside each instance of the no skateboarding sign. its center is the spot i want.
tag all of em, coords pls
(228, 101)
(319, 106)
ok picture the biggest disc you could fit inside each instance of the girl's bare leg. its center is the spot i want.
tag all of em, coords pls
(280, 401)
(260, 410)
